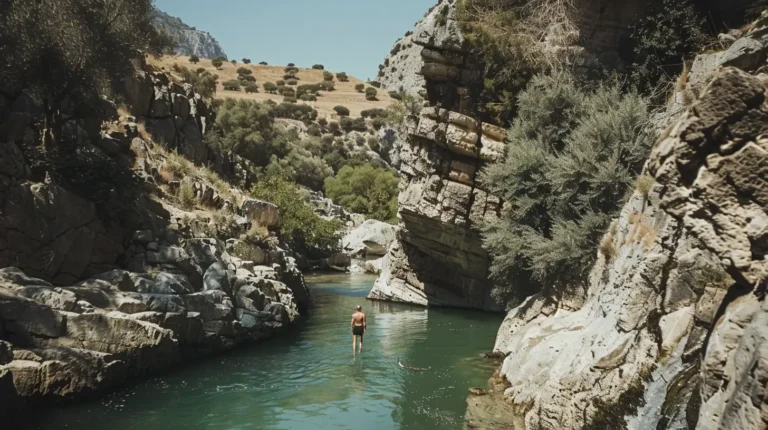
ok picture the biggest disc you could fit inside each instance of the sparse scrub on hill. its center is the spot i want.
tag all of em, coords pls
(194, 59)
(280, 83)
(290, 77)
(291, 65)
(300, 112)
(373, 113)
(302, 229)
(360, 88)
(308, 97)
(245, 79)
(370, 94)
(327, 86)
(270, 87)
(246, 61)
(291, 70)
(292, 82)
(341, 110)
(348, 124)
(264, 63)
(558, 206)
(342, 77)
(287, 92)
(304, 168)
(395, 49)
(327, 76)
(186, 195)
(366, 190)
(290, 99)
(307, 89)
(244, 71)
(318, 67)
(231, 85)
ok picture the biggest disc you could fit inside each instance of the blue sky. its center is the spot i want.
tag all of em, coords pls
(352, 36)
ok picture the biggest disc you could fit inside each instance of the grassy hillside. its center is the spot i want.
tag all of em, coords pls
(344, 94)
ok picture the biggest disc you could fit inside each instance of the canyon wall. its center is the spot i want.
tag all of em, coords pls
(670, 332)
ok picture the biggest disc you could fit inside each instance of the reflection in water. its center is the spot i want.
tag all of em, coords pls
(310, 379)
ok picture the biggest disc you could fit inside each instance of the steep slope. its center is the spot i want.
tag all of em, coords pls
(671, 331)
(190, 40)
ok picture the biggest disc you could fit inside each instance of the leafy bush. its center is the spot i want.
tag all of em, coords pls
(244, 71)
(318, 67)
(366, 190)
(664, 39)
(194, 59)
(280, 83)
(232, 85)
(349, 124)
(310, 89)
(202, 81)
(264, 63)
(290, 99)
(290, 70)
(247, 128)
(291, 65)
(300, 112)
(370, 93)
(307, 97)
(292, 82)
(270, 87)
(290, 76)
(323, 122)
(341, 110)
(573, 154)
(374, 113)
(360, 88)
(246, 61)
(395, 95)
(342, 77)
(251, 88)
(375, 84)
(395, 49)
(304, 168)
(217, 63)
(288, 92)
(186, 195)
(302, 229)
(327, 76)
(327, 86)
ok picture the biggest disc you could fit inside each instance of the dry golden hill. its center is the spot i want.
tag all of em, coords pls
(344, 94)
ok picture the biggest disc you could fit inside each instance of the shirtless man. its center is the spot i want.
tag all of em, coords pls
(358, 328)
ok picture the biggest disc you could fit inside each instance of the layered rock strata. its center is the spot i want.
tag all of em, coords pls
(438, 259)
(669, 333)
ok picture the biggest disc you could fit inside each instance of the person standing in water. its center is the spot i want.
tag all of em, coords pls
(359, 328)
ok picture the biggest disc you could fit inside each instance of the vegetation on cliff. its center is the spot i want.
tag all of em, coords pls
(573, 154)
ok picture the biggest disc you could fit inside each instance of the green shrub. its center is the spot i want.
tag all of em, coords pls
(327, 86)
(290, 76)
(270, 87)
(304, 169)
(232, 85)
(194, 59)
(378, 123)
(360, 88)
(375, 84)
(314, 130)
(366, 190)
(244, 71)
(373, 113)
(288, 92)
(292, 82)
(341, 110)
(308, 89)
(573, 155)
(395, 95)
(291, 70)
(247, 128)
(395, 49)
(202, 81)
(307, 97)
(370, 93)
(318, 67)
(323, 122)
(334, 127)
(264, 63)
(327, 76)
(348, 124)
(246, 61)
(342, 77)
(280, 83)
(246, 78)
(290, 99)
(291, 65)
(217, 63)
(186, 195)
(300, 112)
(234, 62)
(671, 33)
(251, 88)
(374, 143)
(302, 229)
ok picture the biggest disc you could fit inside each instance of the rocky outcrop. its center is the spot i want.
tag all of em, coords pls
(438, 259)
(669, 333)
(368, 243)
(189, 40)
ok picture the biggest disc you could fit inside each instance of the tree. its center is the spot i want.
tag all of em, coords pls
(327, 86)
(573, 153)
(281, 83)
(291, 65)
(342, 77)
(327, 76)
(66, 52)
(270, 87)
(217, 63)
(370, 93)
(360, 88)
(194, 59)
(318, 67)
(292, 82)
(264, 63)
(247, 128)
(302, 229)
(244, 71)
(246, 61)
(366, 190)
(232, 85)
(341, 110)
(234, 62)
(202, 81)
(251, 88)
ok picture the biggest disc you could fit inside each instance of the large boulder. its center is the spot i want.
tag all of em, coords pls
(372, 238)
(260, 212)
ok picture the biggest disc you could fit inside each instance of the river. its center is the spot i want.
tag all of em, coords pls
(310, 379)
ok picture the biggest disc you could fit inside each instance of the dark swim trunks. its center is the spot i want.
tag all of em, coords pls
(358, 330)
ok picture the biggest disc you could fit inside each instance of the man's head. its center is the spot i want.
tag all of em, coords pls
(359, 308)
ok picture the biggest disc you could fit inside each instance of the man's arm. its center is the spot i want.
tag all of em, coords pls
(365, 323)
(353, 321)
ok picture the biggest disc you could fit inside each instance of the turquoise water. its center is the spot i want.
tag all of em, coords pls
(310, 379)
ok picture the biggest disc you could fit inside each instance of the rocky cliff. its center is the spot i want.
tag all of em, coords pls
(190, 41)
(670, 331)
(105, 274)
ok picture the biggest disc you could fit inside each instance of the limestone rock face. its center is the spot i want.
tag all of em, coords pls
(372, 238)
(438, 259)
(189, 41)
(670, 333)
(61, 342)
